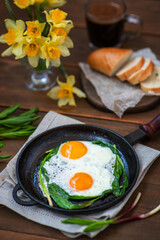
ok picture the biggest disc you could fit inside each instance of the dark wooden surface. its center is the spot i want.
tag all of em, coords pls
(12, 90)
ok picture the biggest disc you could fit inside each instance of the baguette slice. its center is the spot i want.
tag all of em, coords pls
(144, 72)
(109, 60)
(152, 83)
(132, 66)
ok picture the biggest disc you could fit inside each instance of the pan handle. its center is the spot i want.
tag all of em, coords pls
(151, 127)
(19, 201)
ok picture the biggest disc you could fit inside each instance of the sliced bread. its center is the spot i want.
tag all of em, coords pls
(132, 66)
(152, 83)
(109, 60)
(144, 72)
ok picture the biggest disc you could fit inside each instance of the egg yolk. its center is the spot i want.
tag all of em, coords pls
(81, 181)
(73, 150)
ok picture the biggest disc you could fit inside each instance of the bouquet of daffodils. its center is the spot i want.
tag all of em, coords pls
(42, 40)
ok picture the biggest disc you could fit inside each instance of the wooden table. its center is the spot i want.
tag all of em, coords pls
(12, 91)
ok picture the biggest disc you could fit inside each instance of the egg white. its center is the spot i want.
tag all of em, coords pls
(95, 155)
(98, 162)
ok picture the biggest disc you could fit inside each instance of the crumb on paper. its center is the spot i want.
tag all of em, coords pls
(2, 178)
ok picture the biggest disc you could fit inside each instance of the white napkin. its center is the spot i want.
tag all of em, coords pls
(50, 218)
(116, 95)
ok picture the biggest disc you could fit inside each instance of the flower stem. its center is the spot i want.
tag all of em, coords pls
(63, 70)
(43, 4)
(37, 12)
(29, 12)
(10, 10)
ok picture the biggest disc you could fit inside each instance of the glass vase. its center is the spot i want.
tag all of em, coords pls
(40, 80)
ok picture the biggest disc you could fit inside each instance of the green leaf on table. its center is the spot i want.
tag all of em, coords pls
(4, 157)
(2, 144)
(9, 111)
(78, 221)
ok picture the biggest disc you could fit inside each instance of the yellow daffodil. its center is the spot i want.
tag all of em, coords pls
(14, 38)
(62, 29)
(54, 4)
(53, 49)
(64, 93)
(34, 28)
(33, 50)
(60, 32)
(15, 31)
(57, 18)
(38, 1)
(23, 3)
(63, 33)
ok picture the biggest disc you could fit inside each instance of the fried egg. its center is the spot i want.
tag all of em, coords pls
(82, 168)
(76, 152)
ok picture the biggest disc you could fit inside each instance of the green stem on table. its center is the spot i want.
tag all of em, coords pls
(2, 144)
(95, 225)
(10, 10)
(4, 157)
(8, 111)
(63, 70)
(29, 12)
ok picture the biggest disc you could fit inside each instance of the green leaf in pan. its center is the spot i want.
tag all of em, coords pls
(118, 172)
(63, 201)
(44, 188)
(102, 144)
(45, 173)
(43, 170)
(52, 152)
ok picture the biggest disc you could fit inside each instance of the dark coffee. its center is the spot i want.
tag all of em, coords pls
(105, 23)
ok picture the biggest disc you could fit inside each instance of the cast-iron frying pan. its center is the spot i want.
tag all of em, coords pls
(32, 154)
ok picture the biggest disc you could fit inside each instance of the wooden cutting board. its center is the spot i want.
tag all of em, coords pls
(146, 103)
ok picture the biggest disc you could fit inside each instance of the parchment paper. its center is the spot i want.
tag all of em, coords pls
(116, 95)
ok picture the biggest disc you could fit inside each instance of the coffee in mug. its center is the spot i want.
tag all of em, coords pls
(105, 22)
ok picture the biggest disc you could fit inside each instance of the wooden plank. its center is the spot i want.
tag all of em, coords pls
(8, 235)
(148, 10)
(13, 91)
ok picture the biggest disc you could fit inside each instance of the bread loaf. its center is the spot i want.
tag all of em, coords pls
(129, 68)
(144, 72)
(109, 60)
(152, 83)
